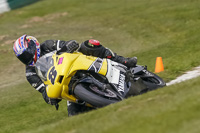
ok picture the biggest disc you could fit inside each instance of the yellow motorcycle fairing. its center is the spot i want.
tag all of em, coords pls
(65, 66)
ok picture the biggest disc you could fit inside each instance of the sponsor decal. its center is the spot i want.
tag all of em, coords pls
(60, 60)
(121, 83)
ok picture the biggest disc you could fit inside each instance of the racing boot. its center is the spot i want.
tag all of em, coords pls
(129, 62)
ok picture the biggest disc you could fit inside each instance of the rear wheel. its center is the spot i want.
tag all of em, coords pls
(94, 96)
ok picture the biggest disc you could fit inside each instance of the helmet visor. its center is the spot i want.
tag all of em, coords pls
(26, 57)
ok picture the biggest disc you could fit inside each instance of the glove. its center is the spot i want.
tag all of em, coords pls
(69, 46)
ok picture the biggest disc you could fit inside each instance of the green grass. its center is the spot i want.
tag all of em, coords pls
(143, 28)
(23, 108)
(172, 109)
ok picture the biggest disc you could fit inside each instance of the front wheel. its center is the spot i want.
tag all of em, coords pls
(86, 92)
(153, 81)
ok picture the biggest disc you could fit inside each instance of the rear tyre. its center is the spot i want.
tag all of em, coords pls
(83, 92)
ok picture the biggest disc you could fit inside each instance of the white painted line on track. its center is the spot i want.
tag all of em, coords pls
(188, 75)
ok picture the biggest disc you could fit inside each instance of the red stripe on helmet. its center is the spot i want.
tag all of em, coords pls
(19, 40)
(15, 48)
(35, 58)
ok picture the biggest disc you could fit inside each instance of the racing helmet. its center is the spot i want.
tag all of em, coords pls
(27, 49)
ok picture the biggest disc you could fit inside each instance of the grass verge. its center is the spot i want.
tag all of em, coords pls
(146, 29)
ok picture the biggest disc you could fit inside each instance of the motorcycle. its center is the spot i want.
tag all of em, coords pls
(93, 81)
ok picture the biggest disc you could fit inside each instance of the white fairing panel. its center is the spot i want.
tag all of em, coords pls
(113, 73)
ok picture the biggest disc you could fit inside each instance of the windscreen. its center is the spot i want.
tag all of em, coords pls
(43, 65)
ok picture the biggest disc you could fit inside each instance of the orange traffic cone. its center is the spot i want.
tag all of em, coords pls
(159, 65)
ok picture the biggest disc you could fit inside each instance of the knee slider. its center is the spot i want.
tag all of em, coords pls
(94, 50)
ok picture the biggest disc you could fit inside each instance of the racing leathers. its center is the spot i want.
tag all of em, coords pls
(70, 46)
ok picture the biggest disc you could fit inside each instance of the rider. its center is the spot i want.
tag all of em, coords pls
(27, 49)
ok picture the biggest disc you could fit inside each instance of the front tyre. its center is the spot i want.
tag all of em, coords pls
(153, 81)
(83, 92)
